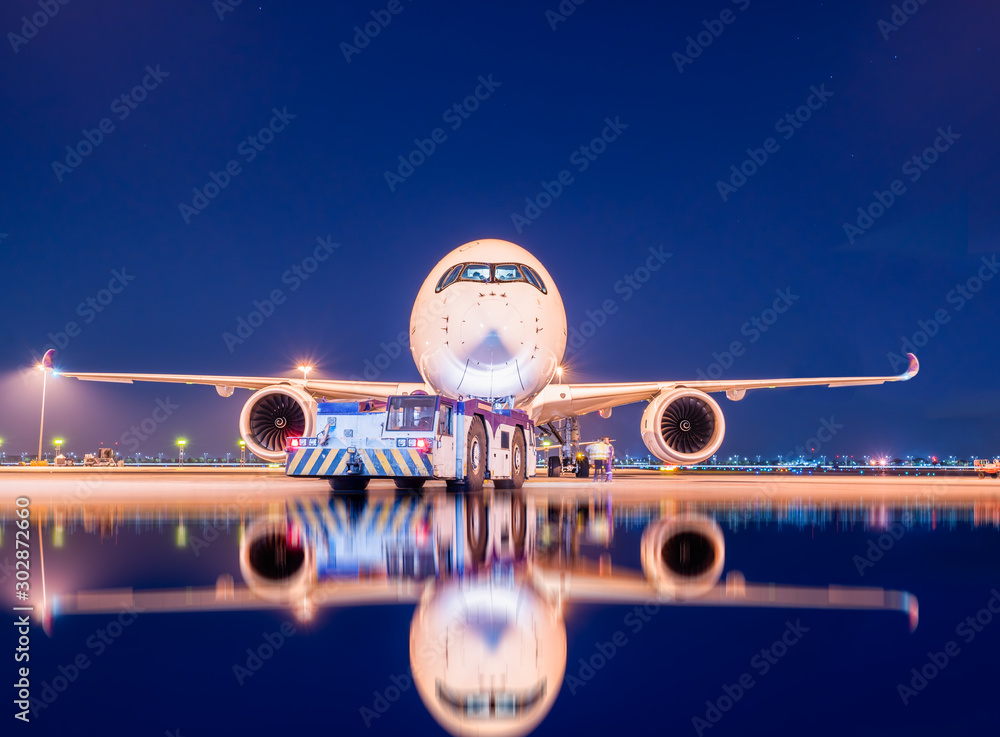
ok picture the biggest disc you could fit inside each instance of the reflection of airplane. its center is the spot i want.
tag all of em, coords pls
(491, 581)
(489, 323)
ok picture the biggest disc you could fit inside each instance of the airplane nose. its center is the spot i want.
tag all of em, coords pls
(492, 332)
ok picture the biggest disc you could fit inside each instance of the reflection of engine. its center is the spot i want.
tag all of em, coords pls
(683, 557)
(276, 562)
(488, 657)
(274, 414)
(683, 426)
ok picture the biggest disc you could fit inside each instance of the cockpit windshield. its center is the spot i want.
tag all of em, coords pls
(476, 272)
(491, 273)
(495, 704)
(507, 272)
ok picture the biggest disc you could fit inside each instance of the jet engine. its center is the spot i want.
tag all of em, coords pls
(683, 557)
(274, 414)
(683, 426)
(276, 562)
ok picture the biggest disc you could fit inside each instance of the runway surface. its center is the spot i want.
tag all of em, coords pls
(71, 487)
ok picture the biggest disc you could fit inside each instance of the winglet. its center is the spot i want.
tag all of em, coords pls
(913, 608)
(912, 369)
(47, 359)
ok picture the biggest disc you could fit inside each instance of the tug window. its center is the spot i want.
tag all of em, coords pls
(444, 419)
(411, 413)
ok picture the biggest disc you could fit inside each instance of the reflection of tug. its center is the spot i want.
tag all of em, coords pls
(490, 576)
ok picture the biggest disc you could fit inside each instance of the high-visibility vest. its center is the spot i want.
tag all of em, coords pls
(598, 451)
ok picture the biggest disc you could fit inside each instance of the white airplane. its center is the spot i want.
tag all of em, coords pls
(489, 323)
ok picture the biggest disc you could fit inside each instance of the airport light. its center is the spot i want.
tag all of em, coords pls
(181, 442)
(45, 366)
(305, 370)
(559, 373)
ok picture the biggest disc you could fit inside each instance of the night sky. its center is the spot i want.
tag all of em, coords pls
(157, 100)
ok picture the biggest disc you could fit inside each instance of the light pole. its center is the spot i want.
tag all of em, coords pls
(181, 442)
(58, 443)
(243, 452)
(559, 373)
(45, 366)
(305, 371)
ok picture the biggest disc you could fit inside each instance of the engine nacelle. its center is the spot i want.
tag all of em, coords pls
(274, 414)
(276, 561)
(683, 426)
(683, 557)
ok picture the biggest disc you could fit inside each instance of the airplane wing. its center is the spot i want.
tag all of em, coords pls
(226, 596)
(332, 389)
(630, 588)
(558, 401)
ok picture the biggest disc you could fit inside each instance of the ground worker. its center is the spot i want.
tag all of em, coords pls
(611, 459)
(598, 453)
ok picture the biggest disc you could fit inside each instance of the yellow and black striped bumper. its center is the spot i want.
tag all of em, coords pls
(375, 461)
